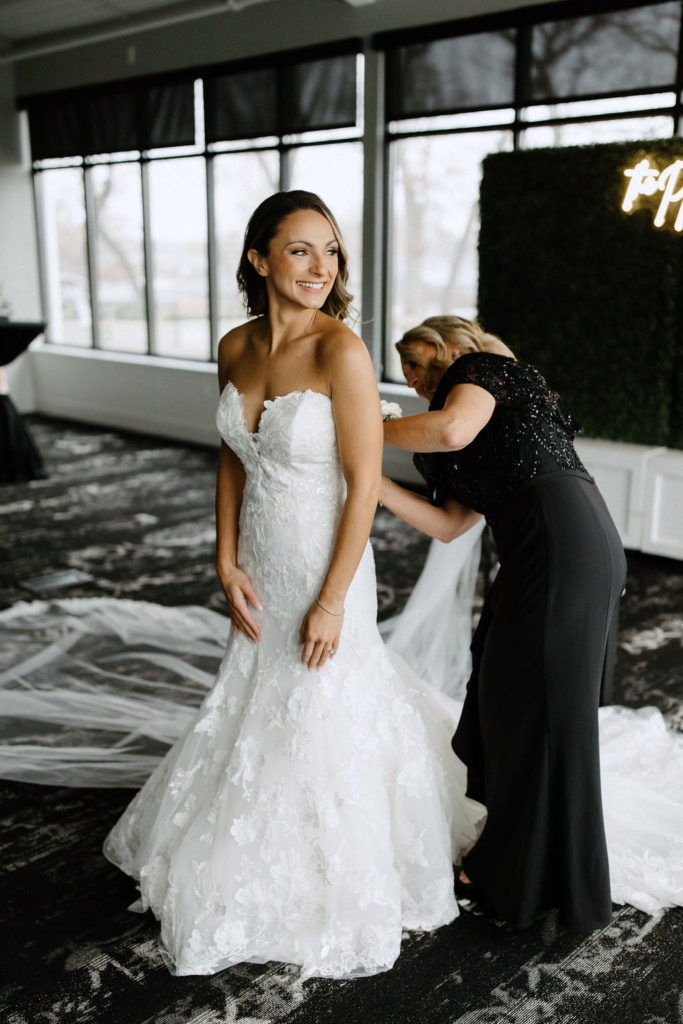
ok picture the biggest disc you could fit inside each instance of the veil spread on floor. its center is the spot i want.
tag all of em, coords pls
(93, 691)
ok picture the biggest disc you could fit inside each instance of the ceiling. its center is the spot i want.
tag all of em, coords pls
(31, 27)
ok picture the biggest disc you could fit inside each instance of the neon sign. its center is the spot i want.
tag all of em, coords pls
(647, 181)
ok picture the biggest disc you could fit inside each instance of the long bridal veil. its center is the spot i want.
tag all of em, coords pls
(434, 629)
(94, 690)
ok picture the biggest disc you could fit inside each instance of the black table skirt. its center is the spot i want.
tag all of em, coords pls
(20, 459)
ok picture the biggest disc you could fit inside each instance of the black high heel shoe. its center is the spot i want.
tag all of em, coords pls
(470, 891)
(465, 890)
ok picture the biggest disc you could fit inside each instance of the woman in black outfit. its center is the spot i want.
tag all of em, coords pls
(496, 441)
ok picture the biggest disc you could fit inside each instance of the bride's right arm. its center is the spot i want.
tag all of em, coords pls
(236, 584)
(443, 522)
(229, 489)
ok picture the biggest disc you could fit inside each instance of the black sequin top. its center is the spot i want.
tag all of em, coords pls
(529, 433)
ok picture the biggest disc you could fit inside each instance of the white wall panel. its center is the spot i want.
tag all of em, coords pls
(663, 527)
(620, 471)
(168, 398)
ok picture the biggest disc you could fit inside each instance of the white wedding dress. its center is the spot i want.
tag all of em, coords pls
(306, 817)
(302, 817)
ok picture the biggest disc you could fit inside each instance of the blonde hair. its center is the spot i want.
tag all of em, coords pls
(451, 336)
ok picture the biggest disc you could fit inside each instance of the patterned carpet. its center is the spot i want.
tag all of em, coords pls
(135, 515)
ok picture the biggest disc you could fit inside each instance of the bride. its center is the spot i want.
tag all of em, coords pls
(312, 809)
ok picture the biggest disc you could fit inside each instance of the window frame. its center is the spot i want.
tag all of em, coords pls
(283, 144)
(377, 135)
(522, 21)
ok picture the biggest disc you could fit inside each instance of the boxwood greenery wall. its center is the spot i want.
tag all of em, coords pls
(589, 294)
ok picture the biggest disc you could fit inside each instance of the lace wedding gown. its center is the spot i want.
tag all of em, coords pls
(301, 816)
(306, 817)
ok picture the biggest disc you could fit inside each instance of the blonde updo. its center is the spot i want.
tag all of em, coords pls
(451, 336)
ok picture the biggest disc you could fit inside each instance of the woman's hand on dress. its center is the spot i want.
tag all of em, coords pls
(240, 594)
(320, 634)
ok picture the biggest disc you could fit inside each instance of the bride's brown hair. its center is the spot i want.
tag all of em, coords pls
(263, 225)
(451, 336)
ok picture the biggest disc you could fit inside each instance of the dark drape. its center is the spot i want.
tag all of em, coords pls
(290, 95)
(445, 75)
(296, 91)
(111, 119)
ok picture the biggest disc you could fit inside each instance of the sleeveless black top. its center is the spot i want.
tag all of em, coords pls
(529, 433)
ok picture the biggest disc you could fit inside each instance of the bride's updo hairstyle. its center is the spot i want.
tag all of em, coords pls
(451, 336)
(263, 225)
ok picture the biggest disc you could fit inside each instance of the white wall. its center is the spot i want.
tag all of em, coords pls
(18, 251)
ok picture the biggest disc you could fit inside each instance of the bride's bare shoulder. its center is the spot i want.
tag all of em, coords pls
(341, 348)
(234, 341)
(231, 348)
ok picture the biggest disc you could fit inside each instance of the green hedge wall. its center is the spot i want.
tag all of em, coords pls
(589, 294)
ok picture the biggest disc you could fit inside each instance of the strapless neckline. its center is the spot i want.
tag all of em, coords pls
(269, 403)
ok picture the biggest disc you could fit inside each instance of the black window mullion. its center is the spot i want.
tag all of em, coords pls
(285, 168)
(40, 249)
(283, 99)
(91, 255)
(522, 80)
(212, 255)
(374, 249)
(502, 126)
(148, 258)
(621, 115)
(678, 109)
(388, 247)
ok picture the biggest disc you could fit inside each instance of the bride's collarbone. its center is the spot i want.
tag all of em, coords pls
(261, 381)
(257, 389)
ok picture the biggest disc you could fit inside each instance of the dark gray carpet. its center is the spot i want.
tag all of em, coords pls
(136, 515)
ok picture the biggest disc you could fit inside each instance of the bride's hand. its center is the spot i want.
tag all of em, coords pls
(240, 594)
(320, 633)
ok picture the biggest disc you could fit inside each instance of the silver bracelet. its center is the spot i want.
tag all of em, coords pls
(379, 500)
(321, 605)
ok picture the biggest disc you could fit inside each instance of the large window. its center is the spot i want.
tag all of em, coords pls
(335, 173)
(118, 273)
(452, 99)
(241, 181)
(242, 178)
(144, 191)
(179, 257)
(64, 252)
(435, 223)
(144, 188)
